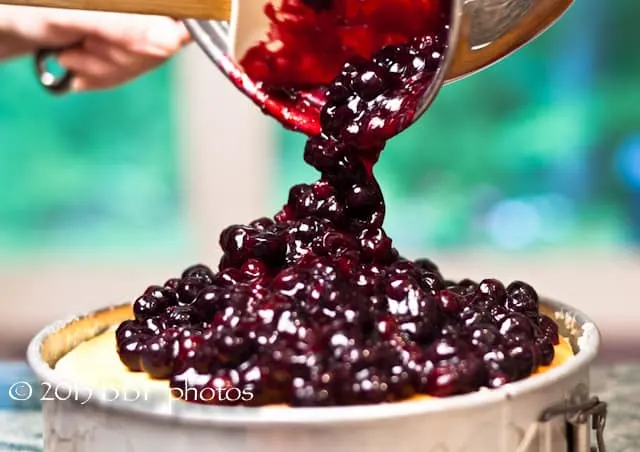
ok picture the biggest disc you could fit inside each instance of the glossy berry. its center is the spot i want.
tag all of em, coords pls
(370, 83)
(491, 292)
(131, 329)
(453, 376)
(130, 352)
(523, 298)
(148, 306)
(172, 284)
(432, 282)
(450, 302)
(472, 316)
(545, 351)
(467, 286)
(188, 290)
(199, 272)
(181, 316)
(523, 360)
(377, 328)
(156, 358)
(315, 307)
(516, 323)
(549, 329)
(157, 325)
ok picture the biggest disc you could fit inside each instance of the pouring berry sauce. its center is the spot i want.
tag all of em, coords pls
(315, 307)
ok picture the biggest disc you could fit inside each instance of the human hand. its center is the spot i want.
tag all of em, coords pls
(102, 49)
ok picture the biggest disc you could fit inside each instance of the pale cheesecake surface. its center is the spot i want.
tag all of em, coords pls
(95, 364)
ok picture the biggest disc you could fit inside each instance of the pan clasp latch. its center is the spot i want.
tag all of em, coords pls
(578, 416)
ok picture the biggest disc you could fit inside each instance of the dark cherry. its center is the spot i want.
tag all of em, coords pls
(401, 62)
(334, 244)
(546, 352)
(387, 326)
(324, 154)
(157, 325)
(388, 348)
(427, 265)
(432, 282)
(315, 307)
(406, 297)
(498, 378)
(451, 330)
(403, 267)
(130, 352)
(522, 360)
(516, 323)
(131, 328)
(262, 382)
(170, 334)
(375, 244)
(148, 306)
(549, 328)
(458, 375)
(208, 302)
(318, 390)
(361, 197)
(262, 224)
(491, 292)
(156, 358)
(401, 381)
(450, 302)
(192, 351)
(523, 298)
(270, 248)
(189, 288)
(254, 268)
(485, 338)
(517, 338)
(232, 346)
(199, 272)
(445, 348)
(181, 315)
(228, 277)
(498, 314)
(164, 295)
(472, 316)
(370, 83)
(172, 284)
(365, 387)
(467, 286)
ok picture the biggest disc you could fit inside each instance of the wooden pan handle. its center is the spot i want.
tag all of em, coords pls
(178, 9)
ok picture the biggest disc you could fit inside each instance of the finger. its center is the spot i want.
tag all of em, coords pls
(90, 71)
(35, 26)
(12, 46)
(88, 82)
(101, 65)
(84, 63)
(116, 55)
(125, 63)
(153, 35)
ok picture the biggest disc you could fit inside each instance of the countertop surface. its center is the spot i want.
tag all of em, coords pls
(618, 385)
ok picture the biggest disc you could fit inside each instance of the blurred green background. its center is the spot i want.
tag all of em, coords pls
(541, 150)
(91, 173)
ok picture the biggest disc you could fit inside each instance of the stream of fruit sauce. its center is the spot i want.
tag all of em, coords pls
(315, 306)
